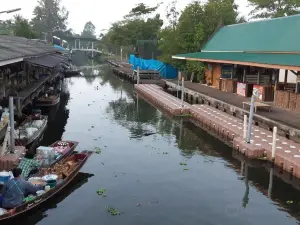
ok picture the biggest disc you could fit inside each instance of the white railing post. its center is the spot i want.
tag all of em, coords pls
(12, 123)
(138, 75)
(182, 92)
(245, 127)
(274, 142)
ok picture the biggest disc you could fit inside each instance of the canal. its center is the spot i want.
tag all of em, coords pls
(155, 170)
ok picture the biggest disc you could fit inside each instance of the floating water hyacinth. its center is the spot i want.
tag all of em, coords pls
(101, 191)
(97, 150)
(182, 164)
(113, 211)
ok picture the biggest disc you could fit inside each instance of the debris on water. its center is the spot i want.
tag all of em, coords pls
(97, 150)
(92, 126)
(182, 164)
(289, 202)
(102, 163)
(89, 104)
(153, 202)
(138, 204)
(113, 211)
(101, 191)
(104, 195)
(105, 146)
(148, 134)
(165, 153)
(95, 139)
(185, 169)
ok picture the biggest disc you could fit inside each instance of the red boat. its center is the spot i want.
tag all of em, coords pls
(74, 163)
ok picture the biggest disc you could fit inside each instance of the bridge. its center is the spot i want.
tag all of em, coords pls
(87, 50)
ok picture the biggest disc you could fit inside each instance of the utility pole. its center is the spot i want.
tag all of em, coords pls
(10, 11)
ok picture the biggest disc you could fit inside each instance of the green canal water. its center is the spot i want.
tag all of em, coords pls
(180, 175)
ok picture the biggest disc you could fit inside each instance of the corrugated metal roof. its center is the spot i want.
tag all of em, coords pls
(271, 35)
(46, 60)
(12, 47)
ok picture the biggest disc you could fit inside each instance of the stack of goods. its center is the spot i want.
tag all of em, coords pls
(62, 147)
(4, 118)
(64, 169)
(29, 129)
(47, 154)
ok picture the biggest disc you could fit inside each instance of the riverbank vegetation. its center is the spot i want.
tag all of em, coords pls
(184, 31)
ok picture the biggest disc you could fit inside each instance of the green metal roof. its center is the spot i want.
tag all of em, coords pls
(261, 58)
(272, 35)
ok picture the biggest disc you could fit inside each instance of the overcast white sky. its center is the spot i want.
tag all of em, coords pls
(101, 13)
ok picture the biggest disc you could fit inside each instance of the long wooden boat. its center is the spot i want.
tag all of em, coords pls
(48, 101)
(25, 139)
(72, 73)
(80, 159)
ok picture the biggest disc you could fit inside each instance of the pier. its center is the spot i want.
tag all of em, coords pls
(229, 128)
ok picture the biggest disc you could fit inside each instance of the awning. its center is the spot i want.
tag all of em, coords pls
(49, 61)
(267, 60)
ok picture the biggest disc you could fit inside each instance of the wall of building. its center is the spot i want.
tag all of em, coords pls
(290, 79)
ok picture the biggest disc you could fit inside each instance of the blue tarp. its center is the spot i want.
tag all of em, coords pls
(59, 47)
(166, 70)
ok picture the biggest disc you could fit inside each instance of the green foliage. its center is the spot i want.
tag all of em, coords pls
(135, 26)
(50, 16)
(141, 10)
(275, 8)
(22, 28)
(195, 26)
(89, 30)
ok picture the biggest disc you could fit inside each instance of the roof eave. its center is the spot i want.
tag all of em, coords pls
(263, 65)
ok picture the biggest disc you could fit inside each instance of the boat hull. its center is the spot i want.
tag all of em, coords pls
(29, 207)
(47, 103)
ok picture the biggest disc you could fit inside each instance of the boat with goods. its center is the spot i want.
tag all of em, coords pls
(56, 178)
(31, 128)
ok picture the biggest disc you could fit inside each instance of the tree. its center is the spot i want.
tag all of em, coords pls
(89, 30)
(137, 25)
(22, 28)
(172, 14)
(195, 26)
(141, 10)
(49, 16)
(274, 8)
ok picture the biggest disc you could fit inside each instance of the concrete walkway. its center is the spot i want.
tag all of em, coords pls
(286, 117)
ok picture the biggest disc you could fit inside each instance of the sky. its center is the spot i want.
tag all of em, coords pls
(101, 13)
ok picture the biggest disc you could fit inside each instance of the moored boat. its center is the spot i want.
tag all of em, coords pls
(72, 72)
(31, 128)
(51, 98)
(62, 173)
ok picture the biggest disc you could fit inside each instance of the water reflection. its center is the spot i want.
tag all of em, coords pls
(58, 117)
(139, 117)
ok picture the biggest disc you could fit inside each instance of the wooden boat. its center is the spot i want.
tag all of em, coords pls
(47, 101)
(72, 72)
(31, 128)
(79, 158)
